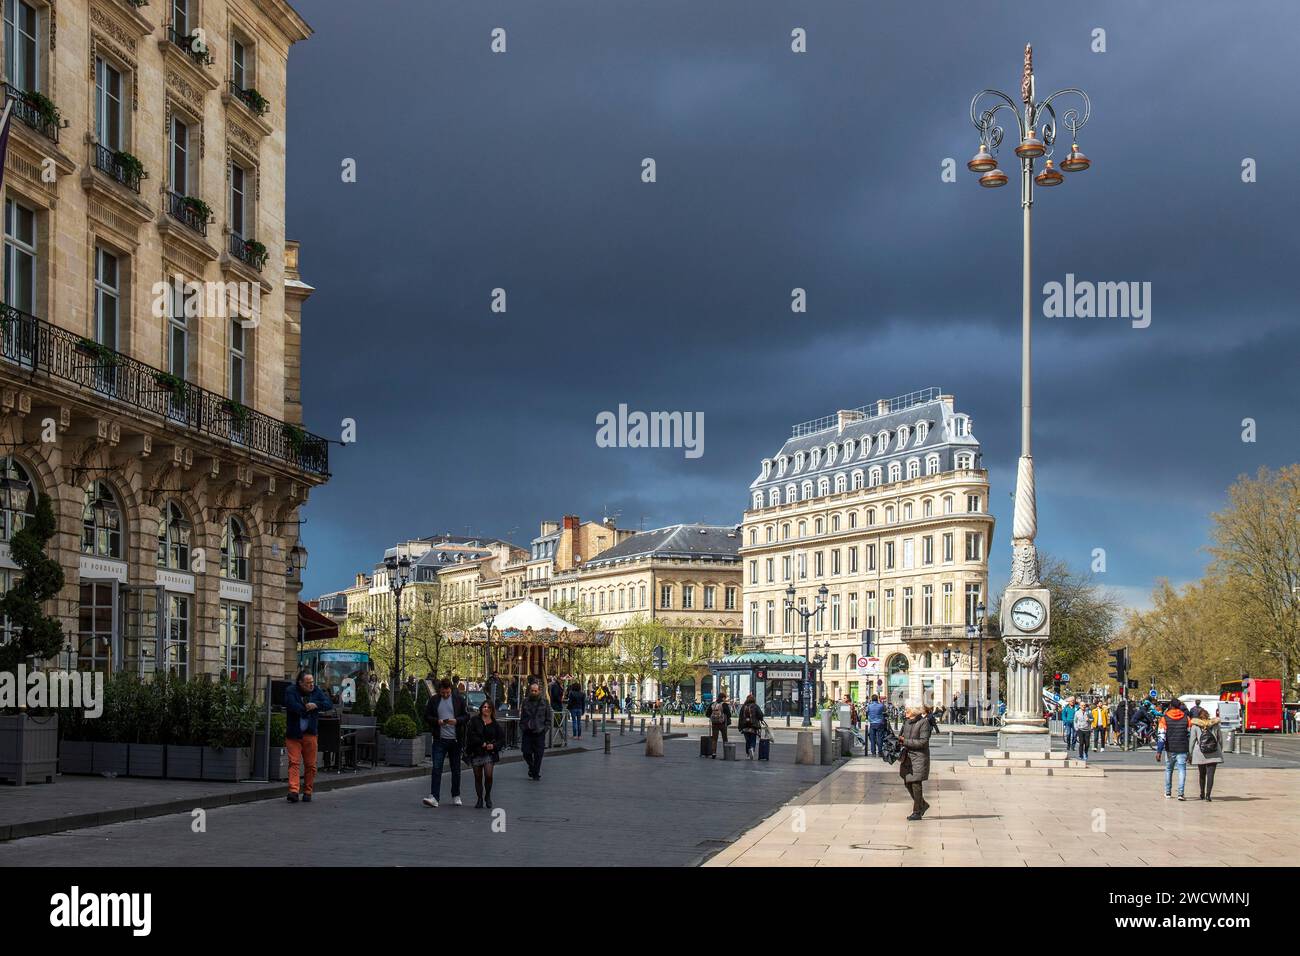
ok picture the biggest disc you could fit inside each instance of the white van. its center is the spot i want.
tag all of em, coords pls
(1209, 702)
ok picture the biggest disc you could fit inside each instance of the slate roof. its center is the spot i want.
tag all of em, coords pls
(690, 541)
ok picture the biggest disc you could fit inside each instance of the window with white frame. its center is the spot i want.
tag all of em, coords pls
(841, 483)
(22, 47)
(238, 360)
(965, 461)
(913, 468)
(731, 599)
(823, 486)
(974, 545)
(20, 257)
(107, 297)
(666, 592)
(972, 504)
(947, 548)
(774, 497)
(710, 597)
(932, 464)
(178, 156)
(857, 480)
(108, 105)
(895, 471)
(688, 597)
(234, 639)
(240, 180)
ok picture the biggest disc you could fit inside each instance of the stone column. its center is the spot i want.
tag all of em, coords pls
(1025, 727)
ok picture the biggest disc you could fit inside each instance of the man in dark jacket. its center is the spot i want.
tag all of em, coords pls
(447, 715)
(304, 702)
(876, 714)
(556, 692)
(534, 725)
(577, 703)
(719, 718)
(1176, 732)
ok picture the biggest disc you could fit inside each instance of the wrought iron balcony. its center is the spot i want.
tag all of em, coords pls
(186, 42)
(251, 98)
(110, 162)
(184, 208)
(35, 345)
(44, 122)
(248, 251)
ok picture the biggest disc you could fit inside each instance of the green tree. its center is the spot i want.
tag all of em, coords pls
(635, 644)
(36, 636)
(383, 710)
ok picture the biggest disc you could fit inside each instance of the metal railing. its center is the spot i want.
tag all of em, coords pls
(245, 251)
(896, 404)
(35, 344)
(107, 162)
(180, 208)
(245, 96)
(186, 42)
(26, 111)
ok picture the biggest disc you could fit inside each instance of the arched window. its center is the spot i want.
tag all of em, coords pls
(774, 497)
(101, 521)
(871, 517)
(873, 478)
(816, 458)
(947, 504)
(17, 497)
(913, 468)
(882, 441)
(818, 526)
(234, 550)
(853, 520)
(806, 490)
(965, 461)
(841, 483)
(932, 464)
(889, 514)
(785, 531)
(767, 468)
(798, 460)
(902, 436)
(857, 480)
(753, 536)
(803, 529)
(848, 449)
(173, 538)
(758, 500)
(927, 507)
(791, 493)
(907, 511)
(929, 659)
(835, 522)
(823, 486)
(831, 450)
(781, 465)
(922, 429)
(895, 471)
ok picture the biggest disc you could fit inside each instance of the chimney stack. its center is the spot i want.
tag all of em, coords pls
(847, 416)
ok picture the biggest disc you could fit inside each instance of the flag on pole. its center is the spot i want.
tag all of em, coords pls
(4, 139)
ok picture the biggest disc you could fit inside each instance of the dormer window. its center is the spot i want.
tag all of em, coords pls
(922, 429)
(873, 478)
(830, 453)
(932, 464)
(961, 426)
(882, 442)
(841, 483)
(816, 457)
(780, 465)
(902, 437)
(848, 449)
(791, 493)
(914, 468)
(798, 461)
(895, 471)
(767, 468)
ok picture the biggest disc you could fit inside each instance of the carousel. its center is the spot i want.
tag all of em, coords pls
(528, 641)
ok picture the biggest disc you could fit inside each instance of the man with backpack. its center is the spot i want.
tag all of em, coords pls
(719, 718)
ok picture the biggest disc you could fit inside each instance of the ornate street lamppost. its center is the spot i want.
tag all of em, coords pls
(489, 611)
(1026, 622)
(806, 614)
(399, 573)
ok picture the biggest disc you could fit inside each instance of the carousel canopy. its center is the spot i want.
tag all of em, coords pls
(529, 621)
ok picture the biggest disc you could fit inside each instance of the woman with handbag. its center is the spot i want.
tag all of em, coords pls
(751, 722)
(914, 768)
(483, 743)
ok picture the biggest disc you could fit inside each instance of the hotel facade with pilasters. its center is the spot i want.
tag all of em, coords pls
(886, 508)
(146, 152)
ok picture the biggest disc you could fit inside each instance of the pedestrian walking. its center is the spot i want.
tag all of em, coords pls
(534, 723)
(1206, 746)
(484, 741)
(556, 692)
(876, 714)
(1083, 729)
(449, 717)
(576, 703)
(1100, 718)
(304, 702)
(1067, 722)
(751, 724)
(914, 767)
(1176, 732)
(719, 718)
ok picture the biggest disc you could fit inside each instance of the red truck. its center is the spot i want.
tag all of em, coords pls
(1260, 699)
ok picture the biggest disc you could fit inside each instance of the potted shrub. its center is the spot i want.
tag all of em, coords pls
(172, 384)
(132, 168)
(279, 754)
(147, 751)
(187, 706)
(362, 707)
(404, 744)
(115, 728)
(383, 710)
(295, 437)
(232, 723)
(29, 746)
(75, 747)
(238, 414)
(201, 210)
(104, 356)
(44, 106)
(257, 252)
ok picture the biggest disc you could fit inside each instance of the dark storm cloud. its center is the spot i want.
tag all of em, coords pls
(778, 170)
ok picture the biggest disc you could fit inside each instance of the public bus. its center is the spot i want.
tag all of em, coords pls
(1260, 699)
(331, 667)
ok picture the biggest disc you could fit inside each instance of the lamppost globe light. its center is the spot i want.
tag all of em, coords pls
(993, 179)
(982, 161)
(1031, 147)
(1075, 162)
(1050, 176)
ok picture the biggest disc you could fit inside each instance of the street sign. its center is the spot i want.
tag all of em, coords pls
(1152, 693)
(1065, 678)
(1132, 685)
(868, 666)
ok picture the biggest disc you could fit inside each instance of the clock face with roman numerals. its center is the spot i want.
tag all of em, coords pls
(1028, 614)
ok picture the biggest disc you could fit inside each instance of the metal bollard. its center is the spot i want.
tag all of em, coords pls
(787, 720)
(950, 738)
(620, 726)
(607, 743)
(1236, 743)
(642, 726)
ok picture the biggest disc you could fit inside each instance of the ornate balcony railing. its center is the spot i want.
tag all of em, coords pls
(251, 98)
(182, 208)
(107, 161)
(186, 42)
(248, 251)
(44, 123)
(34, 344)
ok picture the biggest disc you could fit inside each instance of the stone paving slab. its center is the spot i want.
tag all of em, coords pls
(1121, 820)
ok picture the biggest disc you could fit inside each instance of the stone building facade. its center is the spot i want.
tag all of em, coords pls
(151, 327)
(886, 507)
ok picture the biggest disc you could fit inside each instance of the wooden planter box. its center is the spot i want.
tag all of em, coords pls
(381, 748)
(110, 758)
(184, 762)
(75, 756)
(147, 760)
(29, 749)
(279, 761)
(404, 753)
(227, 763)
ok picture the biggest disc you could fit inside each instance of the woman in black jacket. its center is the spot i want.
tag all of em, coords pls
(483, 743)
(751, 724)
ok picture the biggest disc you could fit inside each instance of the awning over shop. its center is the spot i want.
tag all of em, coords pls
(315, 626)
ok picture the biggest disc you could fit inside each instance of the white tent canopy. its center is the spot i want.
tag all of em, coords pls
(530, 616)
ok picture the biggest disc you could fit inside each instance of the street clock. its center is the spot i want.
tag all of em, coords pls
(1026, 612)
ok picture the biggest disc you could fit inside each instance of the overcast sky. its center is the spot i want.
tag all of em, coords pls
(779, 170)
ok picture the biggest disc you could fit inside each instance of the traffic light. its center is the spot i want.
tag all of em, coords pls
(1056, 682)
(1119, 664)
